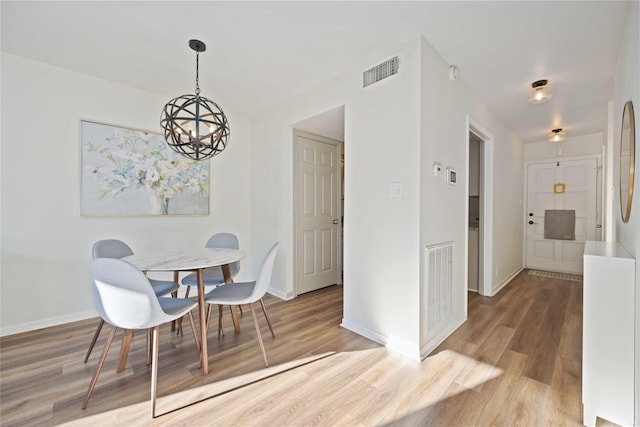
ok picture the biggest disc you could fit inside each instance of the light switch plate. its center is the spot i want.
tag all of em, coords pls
(395, 189)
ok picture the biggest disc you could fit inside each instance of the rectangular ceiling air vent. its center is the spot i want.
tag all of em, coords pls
(380, 71)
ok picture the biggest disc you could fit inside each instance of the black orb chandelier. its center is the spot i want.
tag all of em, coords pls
(193, 125)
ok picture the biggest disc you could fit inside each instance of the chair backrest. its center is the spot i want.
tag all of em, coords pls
(264, 277)
(111, 248)
(225, 240)
(125, 298)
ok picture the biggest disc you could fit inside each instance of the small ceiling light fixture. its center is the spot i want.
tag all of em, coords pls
(540, 92)
(557, 135)
(193, 125)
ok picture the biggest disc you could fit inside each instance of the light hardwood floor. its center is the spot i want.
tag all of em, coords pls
(516, 361)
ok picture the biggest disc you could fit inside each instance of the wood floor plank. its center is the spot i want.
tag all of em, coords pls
(522, 411)
(497, 396)
(516, 361)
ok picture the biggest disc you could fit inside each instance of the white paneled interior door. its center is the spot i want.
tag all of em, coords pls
(317, 212)
(580, 193)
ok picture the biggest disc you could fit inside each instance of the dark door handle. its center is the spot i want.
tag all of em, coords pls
(531, 222)
(530, 213)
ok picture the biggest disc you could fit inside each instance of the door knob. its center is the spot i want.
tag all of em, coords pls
(530, 213)
(531, 222)
(335, 221)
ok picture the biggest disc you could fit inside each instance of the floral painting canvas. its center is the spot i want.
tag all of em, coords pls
(132, 172)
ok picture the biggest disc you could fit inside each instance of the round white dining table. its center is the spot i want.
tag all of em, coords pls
(197, 260)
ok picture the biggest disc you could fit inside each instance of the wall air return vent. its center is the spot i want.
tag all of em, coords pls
(380, 71)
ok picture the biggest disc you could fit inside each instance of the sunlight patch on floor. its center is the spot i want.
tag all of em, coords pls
(443, 376)
(175, 402)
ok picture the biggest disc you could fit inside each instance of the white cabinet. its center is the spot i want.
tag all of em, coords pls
(608, 334)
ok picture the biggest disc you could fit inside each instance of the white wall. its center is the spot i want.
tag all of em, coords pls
(382, 240)
(445, 107)
(627, 88)
(381, 269)
(570, 147)
(384, 143)
(46, 244)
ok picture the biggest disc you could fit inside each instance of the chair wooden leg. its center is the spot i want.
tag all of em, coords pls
(186, 295)
(174, 294)
(208, 315)
(149, 349)
(154, 370)
(255, 322)
(234, 318)
(266, 316)
(124, 351)
(195, 332)
(94, 339)
(179, 330)
(220, 322)
(94, 380)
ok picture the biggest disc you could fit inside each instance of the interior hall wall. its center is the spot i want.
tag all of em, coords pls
(627, 88)
(46, 243)
(381, 252)
(570, 147)
(446, 107)
(392, 135)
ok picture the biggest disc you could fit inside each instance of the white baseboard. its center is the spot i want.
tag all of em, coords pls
(504, 283)
(396, 344)
(436, 340)
(46, 323)
(283, 296)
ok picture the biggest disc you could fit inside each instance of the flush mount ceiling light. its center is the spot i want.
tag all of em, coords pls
(540, 91)
(193, 125)
(556, 135)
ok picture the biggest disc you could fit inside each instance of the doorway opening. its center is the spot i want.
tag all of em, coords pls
(318, 193)
(475, 198)
(480, 208)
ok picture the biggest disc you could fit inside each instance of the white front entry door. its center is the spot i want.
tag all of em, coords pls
(580, 191)
(317, 212)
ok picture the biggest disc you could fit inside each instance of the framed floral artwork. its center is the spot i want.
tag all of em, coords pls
(133, 172)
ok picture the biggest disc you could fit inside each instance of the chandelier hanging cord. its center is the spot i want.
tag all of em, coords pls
(197, 73)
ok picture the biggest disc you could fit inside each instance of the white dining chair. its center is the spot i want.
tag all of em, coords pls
(125, 299)
(114, 248)
(238, 293)
(213, 275)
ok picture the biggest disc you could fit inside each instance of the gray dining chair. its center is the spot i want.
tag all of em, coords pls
(239, 293)
(114, 248)
(125, 299)
(213, 275)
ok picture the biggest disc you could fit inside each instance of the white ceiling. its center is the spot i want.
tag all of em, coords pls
(260, 54)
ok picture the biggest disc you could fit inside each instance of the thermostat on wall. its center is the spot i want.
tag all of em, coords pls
(451, 176)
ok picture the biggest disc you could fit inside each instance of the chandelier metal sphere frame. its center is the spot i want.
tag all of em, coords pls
(193, 125)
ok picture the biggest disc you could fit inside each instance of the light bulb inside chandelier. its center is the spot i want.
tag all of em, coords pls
(193, 125)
